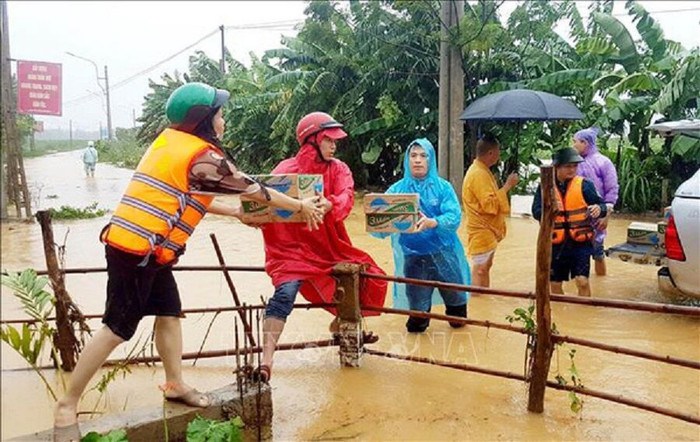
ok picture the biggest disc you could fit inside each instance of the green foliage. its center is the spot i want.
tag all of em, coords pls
(112, 436)
(576, 403)
(126, 151)
(375, 67)
(210, 430)
(525, 316)
(69, 212)
(28, 343)
(686, 147)
(627, 51)
(29, 289)
(39, 304)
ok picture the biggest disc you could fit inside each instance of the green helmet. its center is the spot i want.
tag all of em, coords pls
(190, 95)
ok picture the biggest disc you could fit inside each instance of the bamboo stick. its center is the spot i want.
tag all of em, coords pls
(463, 367)
(232, 288)
(626, 351)
(550, 384)
(478, 323)
(630, 402)
(307, 306)
(593, 302)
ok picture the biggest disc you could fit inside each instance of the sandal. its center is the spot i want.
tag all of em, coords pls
(261, 374)
(192, 398)
(67, 434)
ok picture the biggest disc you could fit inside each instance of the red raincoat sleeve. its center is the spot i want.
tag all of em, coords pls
(342, 196)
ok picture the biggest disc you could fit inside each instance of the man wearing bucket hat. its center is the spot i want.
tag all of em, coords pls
(578, 205)
(172, 188)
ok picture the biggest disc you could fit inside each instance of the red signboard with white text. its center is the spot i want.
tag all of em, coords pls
(38, 88)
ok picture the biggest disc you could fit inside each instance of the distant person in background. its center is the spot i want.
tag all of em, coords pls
(599, 169)
(89, 159)
(487, 206)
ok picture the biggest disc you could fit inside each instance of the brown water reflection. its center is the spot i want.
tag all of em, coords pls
(315, 399)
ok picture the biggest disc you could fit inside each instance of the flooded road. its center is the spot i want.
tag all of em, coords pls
(315, 399)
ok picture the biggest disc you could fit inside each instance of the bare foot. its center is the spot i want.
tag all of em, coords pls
(176, 390)
(65, 413)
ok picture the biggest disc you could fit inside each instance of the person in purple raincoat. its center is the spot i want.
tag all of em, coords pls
(599, 169)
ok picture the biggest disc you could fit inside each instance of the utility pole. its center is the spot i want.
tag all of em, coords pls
(451, 98)
(105, 91)
(133, 117)
(109, 108)
(14, 181)
(222, 63)
(70, 132)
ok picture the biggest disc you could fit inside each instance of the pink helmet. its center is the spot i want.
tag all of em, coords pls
(316, 122)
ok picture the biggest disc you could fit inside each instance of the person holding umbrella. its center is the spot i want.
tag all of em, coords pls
(487, 206)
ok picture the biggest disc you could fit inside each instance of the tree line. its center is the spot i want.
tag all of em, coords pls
(374, 67)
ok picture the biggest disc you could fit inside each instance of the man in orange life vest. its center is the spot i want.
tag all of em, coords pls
(169, 193)
(572, 240)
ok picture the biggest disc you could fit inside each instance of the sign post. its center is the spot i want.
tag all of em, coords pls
(39, 88)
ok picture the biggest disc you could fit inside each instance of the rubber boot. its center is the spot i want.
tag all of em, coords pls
(417, 325)
(456, 310)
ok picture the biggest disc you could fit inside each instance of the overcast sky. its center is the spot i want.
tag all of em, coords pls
(130, 37)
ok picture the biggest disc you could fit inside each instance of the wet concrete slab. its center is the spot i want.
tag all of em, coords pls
(149, 424)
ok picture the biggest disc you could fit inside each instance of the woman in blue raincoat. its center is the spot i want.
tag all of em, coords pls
(433, 252)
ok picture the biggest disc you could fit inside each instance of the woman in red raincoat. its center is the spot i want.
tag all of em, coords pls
(300, 260)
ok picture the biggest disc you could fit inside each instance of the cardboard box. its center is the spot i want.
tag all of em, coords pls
(391, 222)
(255, 212)
(295, 185)
(643, 233)
(391, 203)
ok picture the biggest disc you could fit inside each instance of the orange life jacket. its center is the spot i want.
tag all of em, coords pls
(157, 213)
(572, 216)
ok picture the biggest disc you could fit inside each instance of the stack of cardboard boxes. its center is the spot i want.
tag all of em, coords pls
(391, 213)
(299, 186)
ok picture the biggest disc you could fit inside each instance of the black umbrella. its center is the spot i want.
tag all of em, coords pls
(521, 105)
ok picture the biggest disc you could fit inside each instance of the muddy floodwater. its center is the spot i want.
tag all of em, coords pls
(314, 398)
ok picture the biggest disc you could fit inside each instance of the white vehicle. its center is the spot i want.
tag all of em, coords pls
(679, 254)
(682, 274)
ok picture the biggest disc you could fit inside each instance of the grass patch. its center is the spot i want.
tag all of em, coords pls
(125, 152)
(68, 212)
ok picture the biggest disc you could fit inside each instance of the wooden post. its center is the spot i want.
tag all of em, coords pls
(65, 341)
(444, 94)
(456, 167)
(451, 99)
(16, 180)
(543, 345)
(347, 295)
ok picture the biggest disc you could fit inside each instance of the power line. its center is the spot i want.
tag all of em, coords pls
(280, 25)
